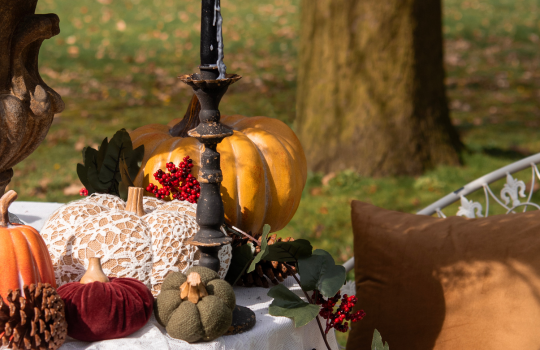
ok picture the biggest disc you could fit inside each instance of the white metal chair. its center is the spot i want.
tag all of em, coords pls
(510, 194)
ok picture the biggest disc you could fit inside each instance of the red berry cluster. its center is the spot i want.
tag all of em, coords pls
(177, 181)
(343, 313)
(83, 192)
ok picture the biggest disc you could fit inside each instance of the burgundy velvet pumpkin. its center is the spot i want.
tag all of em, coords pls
(99, 310)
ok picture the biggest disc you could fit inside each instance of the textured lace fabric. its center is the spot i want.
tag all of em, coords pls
(146, 248)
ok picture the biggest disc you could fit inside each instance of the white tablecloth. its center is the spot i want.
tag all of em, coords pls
(269, 333)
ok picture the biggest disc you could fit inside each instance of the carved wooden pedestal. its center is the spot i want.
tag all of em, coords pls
(27, 104)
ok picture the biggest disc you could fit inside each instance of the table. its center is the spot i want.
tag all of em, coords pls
(270, 333)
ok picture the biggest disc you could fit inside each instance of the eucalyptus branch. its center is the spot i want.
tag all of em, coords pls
(323, 334)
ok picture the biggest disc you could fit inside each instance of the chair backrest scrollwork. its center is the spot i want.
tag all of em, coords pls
(515, 194)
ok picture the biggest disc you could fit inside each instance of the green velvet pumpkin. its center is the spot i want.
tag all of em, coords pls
(205, 320)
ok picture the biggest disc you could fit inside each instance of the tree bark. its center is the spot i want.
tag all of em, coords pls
(27, 104)
(371, 94)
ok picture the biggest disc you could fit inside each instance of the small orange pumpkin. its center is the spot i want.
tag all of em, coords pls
(263, 164)
(24, 258)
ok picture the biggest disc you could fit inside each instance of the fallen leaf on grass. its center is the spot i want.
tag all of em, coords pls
(80, 144)
(40, 190)
(44, 182)
(319, 229)
(327, 178)
(73, 189)
(57, 137)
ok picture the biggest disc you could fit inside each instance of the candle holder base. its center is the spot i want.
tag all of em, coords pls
(243, 320)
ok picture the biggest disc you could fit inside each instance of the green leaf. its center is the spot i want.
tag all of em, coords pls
(82, 171)
(134, 161)
(377, 343)
(124, 173)
(101, 169)
(126, 182)
(133, 158)
(93, 178)
(83, 176)
(89, 157)
(139, 152)
(288, 304)
(90, 164)
(102, 151)
(263, 252)
(319, 271)
(241, 257)
(109, 169)
(289, 251)
(123, 192)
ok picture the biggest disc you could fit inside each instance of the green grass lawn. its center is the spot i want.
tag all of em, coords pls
(115, 63)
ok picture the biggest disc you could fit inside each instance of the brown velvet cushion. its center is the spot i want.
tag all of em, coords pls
(447, 284)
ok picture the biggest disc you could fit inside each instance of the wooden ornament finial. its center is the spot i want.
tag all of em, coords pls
(193, 289)
(94, 273)
(6, 200)
(135, 201)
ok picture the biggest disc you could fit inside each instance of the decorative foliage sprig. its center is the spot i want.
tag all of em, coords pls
(318, 273)
(112, 167)
(339, 318)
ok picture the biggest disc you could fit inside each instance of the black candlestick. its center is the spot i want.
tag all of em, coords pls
(210, 132)
(210, 85)
(209, 43)
(210, 213)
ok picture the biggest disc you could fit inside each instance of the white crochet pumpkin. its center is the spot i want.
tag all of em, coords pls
(144, 247)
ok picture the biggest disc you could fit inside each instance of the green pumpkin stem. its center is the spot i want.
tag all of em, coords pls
(190, 121)
(6, 200)
(94, 273)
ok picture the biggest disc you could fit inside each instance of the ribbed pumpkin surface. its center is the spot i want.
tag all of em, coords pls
(263, 164)
(24, 259)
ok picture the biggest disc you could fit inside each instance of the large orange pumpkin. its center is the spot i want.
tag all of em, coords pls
(263, 164)
(24, 258)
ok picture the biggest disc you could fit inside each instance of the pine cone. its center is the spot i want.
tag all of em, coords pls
(35, 321)
(238, 240)
(265, 271)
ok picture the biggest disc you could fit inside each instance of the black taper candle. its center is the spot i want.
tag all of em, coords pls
(209, 43)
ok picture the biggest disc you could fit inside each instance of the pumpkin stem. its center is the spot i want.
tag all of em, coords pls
(193, 289)
(190, 121)
(6, 200)
(135, 201)
(94, 273)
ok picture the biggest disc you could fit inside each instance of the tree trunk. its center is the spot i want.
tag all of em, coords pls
(371, 94)
(27, 104)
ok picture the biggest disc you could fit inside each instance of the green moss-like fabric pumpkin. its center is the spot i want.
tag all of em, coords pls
(195, 306)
